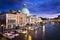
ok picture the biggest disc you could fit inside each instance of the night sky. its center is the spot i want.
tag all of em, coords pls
(44, 8)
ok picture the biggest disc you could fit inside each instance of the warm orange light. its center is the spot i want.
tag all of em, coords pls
(30, 28)
(29, 37)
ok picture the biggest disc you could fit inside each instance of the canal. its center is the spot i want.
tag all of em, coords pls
(52, 32)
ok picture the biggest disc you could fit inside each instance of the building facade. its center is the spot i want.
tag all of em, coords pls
(33, 19)
(13, 18)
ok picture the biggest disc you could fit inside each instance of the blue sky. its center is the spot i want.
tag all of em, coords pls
(37, 7)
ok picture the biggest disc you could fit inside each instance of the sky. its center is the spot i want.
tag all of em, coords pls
(43, 8)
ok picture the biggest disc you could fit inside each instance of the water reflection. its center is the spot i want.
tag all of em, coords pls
(52, 31)
(36, 33)
(29, 37)
(43, 32)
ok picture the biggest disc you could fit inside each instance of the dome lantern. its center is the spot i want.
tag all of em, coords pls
(24, 5)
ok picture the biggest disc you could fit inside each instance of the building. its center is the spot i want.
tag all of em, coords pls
(12, 18)
(39, 20)
(33, 19)
(56, 19)
(25, 10)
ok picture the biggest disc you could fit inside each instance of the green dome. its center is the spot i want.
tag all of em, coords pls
(25, 11)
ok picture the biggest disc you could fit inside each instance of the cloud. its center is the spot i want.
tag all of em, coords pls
(46, 15)
(44, 5)
(10, 4)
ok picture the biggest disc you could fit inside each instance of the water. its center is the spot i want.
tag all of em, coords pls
(52, 32)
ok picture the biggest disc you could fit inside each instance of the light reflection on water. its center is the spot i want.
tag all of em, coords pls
(36, 33)
(29, 37)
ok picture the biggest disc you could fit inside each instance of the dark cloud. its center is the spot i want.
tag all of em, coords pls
(10, 4)
(46, 6)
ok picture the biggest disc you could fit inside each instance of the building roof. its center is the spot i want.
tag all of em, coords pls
(11, 12)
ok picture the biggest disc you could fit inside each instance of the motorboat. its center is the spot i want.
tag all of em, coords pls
(11, 35)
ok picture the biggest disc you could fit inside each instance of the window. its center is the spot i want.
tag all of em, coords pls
(9, 26)
(11, 21)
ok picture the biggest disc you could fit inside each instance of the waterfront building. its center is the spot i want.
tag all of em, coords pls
(12, 18)
(56, 19)
(39, 20)
(32, 19)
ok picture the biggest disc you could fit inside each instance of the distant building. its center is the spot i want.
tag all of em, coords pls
(12, 18)
(33, 19)
(39, 19)
(56, 19)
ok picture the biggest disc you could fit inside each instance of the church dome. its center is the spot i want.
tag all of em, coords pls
(25, 10)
